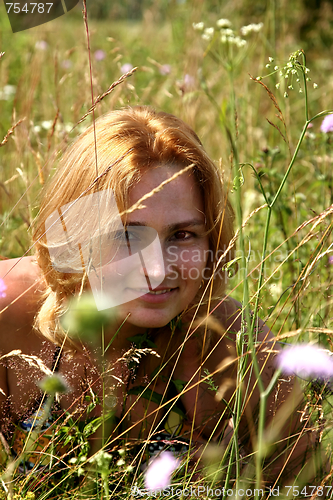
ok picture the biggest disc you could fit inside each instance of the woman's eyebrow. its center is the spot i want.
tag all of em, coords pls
(172, 227)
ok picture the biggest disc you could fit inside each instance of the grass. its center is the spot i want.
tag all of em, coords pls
(251, 130)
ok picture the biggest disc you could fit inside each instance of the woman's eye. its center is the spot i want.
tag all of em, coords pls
(183, 235)
(125, 236)
(129, 235)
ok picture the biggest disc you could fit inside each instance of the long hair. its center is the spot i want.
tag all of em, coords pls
(129, 142)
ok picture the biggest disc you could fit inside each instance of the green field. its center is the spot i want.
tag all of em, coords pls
(250, 95)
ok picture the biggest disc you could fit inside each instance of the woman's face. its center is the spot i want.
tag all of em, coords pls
(173, 269)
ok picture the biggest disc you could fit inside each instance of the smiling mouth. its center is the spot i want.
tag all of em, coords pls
(156, 292)
(144, 291)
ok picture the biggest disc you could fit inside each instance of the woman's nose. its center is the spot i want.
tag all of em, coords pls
(152, 263)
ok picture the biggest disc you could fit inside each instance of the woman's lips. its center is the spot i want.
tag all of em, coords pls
(156, 296)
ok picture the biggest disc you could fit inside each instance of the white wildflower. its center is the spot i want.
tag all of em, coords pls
(7, 92)
(208, 34)
(47, 124)
(270, 59)
(276, 68)
(227, 32)
(68, 127)
(257, 27)
(277, 85)
(315, 85)
(198, 26)
(209, 31)
(254, 28)
(240, 42)
(223, 23)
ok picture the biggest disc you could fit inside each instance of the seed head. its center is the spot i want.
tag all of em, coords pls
(54, 384)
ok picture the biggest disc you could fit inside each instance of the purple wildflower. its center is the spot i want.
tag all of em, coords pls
(327, 124)
(41, 45)
(187, 84)
(189, 81)
(158, 474)
(99, 55)
(305, 360)
(126, 67)
(330, 260)
(165, 69)
(66, 64)
(3, 288)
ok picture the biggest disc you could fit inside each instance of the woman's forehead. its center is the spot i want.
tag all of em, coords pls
(165, 191)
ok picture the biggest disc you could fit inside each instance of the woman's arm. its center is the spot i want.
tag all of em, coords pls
(24, 286)
(18, 307)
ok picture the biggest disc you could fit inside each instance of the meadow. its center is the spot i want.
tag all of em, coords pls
(255, 82)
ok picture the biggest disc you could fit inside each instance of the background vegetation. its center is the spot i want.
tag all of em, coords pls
(45, 82)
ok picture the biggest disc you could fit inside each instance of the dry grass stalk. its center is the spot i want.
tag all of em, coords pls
(138, 206)
(102, 96)
(33, 361)
(10, 131)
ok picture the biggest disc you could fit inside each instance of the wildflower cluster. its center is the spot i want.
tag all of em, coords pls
(225, 33)
(293, 72)
(251, 28)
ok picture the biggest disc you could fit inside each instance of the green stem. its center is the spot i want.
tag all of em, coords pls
(292, 161)
(262, 446)
(103, 388)
(305, 89)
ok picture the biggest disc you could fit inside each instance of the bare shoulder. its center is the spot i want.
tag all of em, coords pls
(21, 299)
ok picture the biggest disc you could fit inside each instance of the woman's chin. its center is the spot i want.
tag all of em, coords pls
(145, 320)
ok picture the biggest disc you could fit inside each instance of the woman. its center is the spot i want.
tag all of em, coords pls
(135, 214)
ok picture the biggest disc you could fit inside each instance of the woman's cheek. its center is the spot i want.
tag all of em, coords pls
(192, 262)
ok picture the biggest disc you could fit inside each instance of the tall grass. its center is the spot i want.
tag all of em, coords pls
(278, 170)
